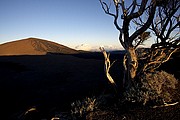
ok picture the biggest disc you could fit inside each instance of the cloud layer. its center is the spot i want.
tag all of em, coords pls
(87, 47)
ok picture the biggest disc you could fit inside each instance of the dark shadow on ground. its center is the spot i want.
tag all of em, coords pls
(51, 82)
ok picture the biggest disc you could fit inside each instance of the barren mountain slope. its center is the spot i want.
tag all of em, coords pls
(34, 46)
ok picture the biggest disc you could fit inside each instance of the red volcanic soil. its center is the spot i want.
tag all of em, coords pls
(33, 46)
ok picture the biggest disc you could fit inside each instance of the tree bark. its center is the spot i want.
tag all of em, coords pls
(131, 67)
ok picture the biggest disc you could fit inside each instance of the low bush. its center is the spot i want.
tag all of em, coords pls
(158, 87)
(81, 108)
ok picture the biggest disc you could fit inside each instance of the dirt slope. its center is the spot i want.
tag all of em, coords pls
(33, 46)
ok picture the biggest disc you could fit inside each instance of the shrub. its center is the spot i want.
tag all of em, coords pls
(82, 108)
(158, 86)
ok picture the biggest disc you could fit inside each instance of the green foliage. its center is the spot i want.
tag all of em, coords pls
(158, 86)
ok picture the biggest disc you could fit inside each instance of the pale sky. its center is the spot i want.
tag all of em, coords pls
(78, 24)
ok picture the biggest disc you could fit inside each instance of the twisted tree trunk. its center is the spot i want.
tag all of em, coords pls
(130, 66)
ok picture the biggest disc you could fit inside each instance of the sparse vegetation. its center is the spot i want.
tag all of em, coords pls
(58, 95)
(82, 108)
(143, 84)
(159, 87)
(162, 19)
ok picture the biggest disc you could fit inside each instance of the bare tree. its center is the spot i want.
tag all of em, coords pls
(165, 27)
(161, 17)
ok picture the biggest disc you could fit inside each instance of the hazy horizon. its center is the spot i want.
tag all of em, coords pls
(81, 24)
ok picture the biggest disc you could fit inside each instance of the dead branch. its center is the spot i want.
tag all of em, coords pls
(166, 105)
(107, 65)
(158, 57)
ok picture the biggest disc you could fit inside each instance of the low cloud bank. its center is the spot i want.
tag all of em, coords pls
(87, 47)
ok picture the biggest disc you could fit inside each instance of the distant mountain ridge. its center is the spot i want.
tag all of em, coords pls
(34, 46)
